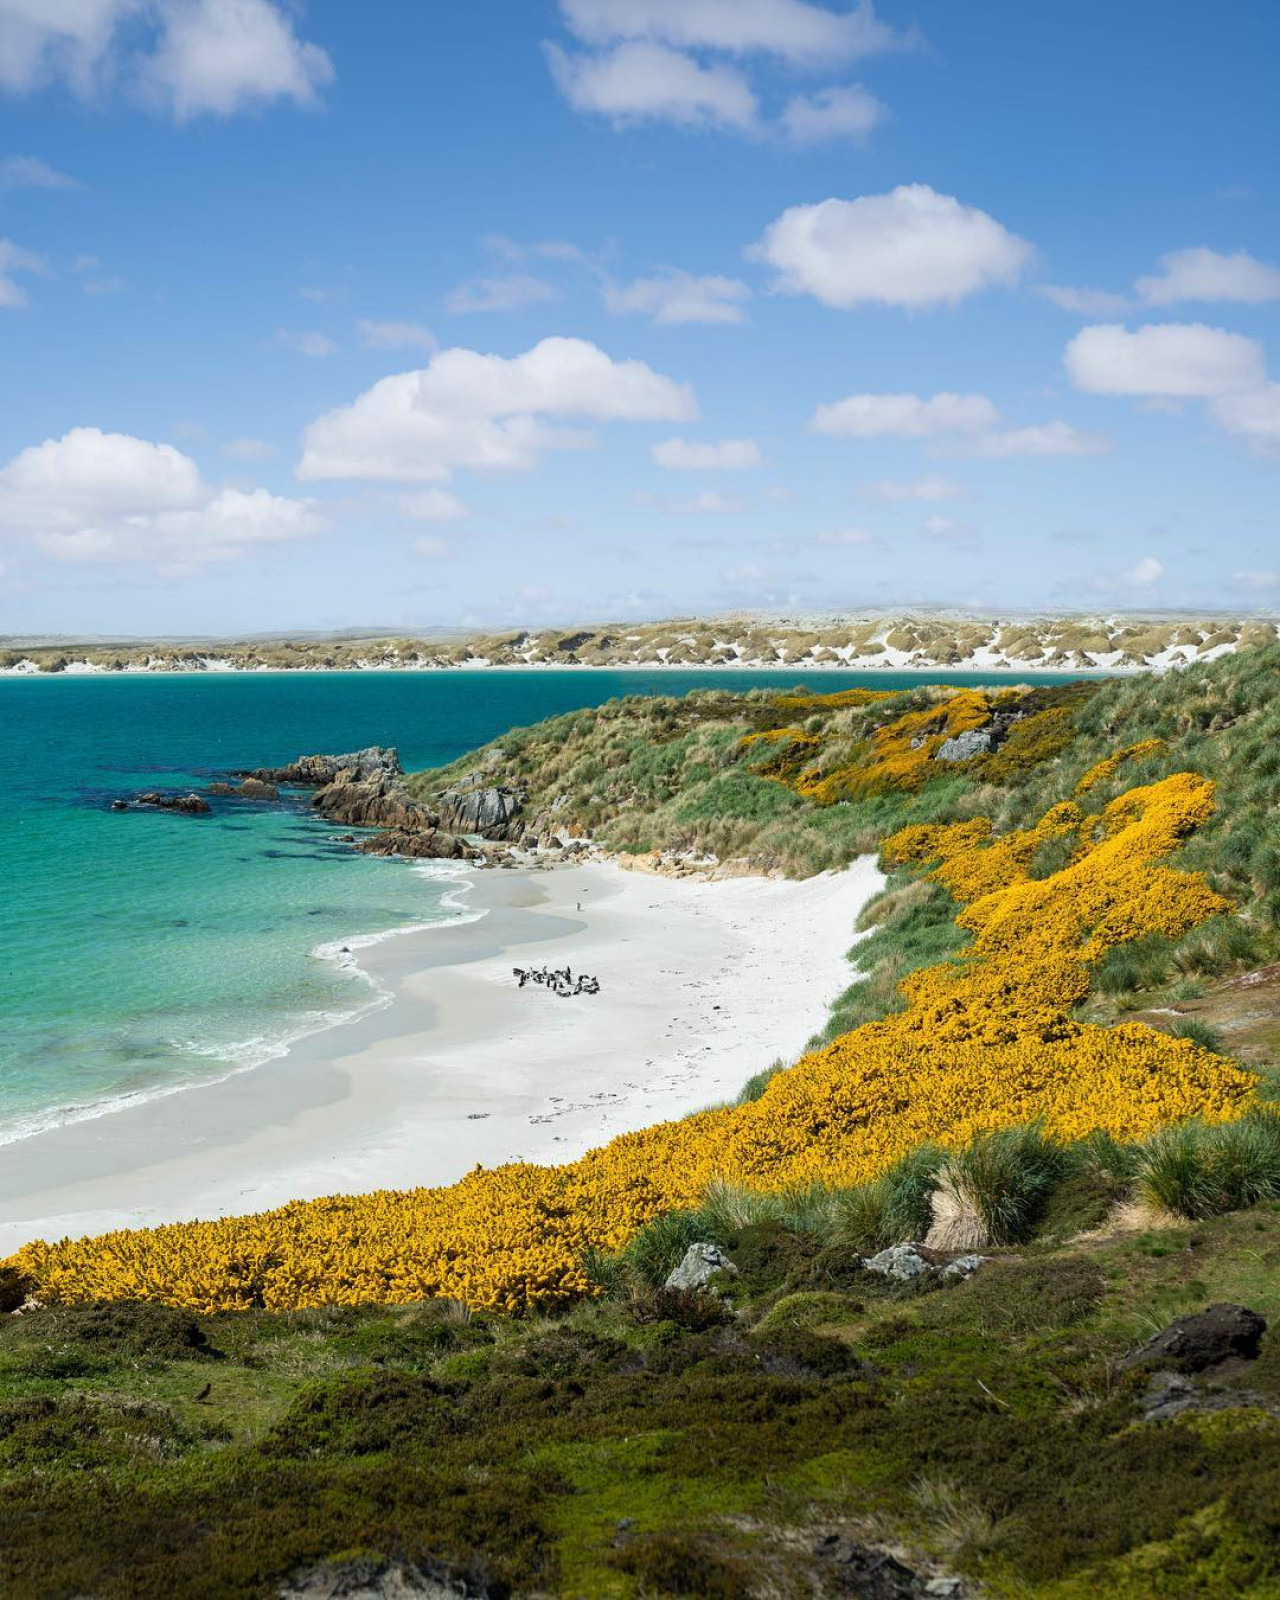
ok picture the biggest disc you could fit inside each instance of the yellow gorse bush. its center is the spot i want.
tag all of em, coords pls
(986, 1041)
(1108, 768)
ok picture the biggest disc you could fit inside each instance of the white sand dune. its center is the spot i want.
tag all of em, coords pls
(702, 984)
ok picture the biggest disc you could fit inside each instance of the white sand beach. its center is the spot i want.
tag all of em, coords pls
(701, 985)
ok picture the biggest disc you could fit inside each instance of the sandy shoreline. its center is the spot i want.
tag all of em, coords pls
(702, 984)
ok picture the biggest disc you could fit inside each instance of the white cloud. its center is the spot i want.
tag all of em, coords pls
(1253, 415)
(673, 297)
(512, 292)
(313, 344)
(726, 455)
(1256, 578)
(94, 496)
(872, 416)
(1174, 359)
(710, 503)
(13, 258)
(249, 449)
(396, 336)
(1203, 274)
(1046, 439)
(932, 488)
(432, 505)
(486, 412)
(849, 112)
(803, 34)
(1084, 302)
(187, 57)
(28, 172)
(957, 535)
(638, 82)
(847, 538)
(1147, 572)
(910, 247)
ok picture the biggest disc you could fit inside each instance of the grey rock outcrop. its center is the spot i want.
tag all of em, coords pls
(489, 810)
(314, 772)
(977, 742)
(701, 1263)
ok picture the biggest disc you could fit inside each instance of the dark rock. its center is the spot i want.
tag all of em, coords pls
(1204, 1340)
(313, 772)
(119, 805)
(867, 1573)
(1169, 1394)
(977, 742)
(432, 844)
(189, 804)
(222, 788)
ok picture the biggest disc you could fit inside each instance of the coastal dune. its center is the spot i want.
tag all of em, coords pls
(702, 984)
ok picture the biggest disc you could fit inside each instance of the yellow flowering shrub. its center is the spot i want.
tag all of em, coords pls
(987, 1040)
(1113, 763)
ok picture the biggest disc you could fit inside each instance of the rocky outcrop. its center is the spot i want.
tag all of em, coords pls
(900, 1263)
(489, 810)
(190, 805)
(379, 800)
(314, 772)
(422, 844)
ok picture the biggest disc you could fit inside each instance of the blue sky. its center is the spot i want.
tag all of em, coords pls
(413, 314)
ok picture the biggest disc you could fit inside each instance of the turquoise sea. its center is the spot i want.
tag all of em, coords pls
(144, 950)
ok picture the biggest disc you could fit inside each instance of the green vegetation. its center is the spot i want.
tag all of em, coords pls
(651, 1442)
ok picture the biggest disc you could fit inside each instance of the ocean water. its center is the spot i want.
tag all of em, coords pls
(141, 951)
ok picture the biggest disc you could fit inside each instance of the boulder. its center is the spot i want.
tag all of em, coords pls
(1207, 1339)
(429, 844)
(701, 1263)
(370, 1579)
(964, 1266)
(900, 1262)
(189, 804)
(257, 789)
(977, 742)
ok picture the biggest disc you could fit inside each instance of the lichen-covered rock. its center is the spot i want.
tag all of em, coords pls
(701, 1263)
(976, 742)
(900, 1262)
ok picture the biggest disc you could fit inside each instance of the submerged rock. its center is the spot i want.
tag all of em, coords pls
(189, 804)
(701, 1263)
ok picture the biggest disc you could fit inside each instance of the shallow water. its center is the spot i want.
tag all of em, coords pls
(144, 950)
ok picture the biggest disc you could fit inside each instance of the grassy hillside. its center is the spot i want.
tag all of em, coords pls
(1063, 1056)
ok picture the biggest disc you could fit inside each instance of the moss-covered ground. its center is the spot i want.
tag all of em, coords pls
(657, 1445)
